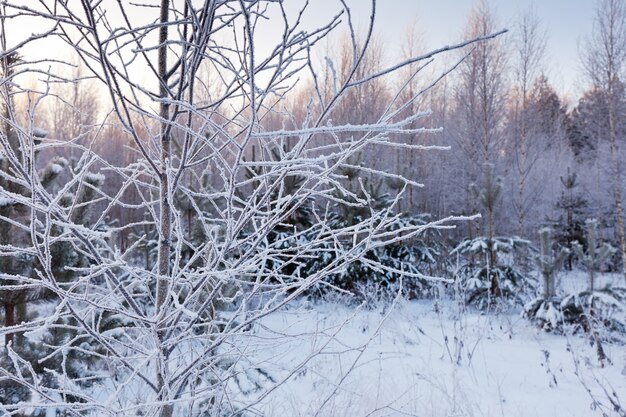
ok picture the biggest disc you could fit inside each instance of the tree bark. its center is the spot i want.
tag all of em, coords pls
(165, 210)
(9, 320)
(546, 286)
(617, 181)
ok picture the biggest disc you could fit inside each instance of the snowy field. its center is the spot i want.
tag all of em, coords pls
(433, 359)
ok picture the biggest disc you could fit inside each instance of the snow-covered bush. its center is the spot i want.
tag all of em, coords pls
(599, 312)
(604, 308)
(484, 284)
(545, 311)
(570, 225)
(594, 255)
(389, 270)
(602, 311)
(216, 82)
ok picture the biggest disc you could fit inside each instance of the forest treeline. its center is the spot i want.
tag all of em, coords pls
(147, 228)
(557, 160)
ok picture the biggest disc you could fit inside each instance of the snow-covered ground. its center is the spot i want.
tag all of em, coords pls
(433, 359)
(423, 358)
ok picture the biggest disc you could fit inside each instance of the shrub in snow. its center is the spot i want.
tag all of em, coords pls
(603, 308)
(186, 331)
(545, 310)
(570, 225)
(595, 255)
(546, 313)
(599, 313)
(32, 277)
(595, 308)
(485, 284)
(384, 269)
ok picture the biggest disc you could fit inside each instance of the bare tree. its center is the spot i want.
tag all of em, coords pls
(605, 63)
(412, 79)
(529, 49)
(178, 338)
(480, 98)
(72, 111)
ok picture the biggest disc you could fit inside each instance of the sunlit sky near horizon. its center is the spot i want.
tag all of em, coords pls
(442, 22)
(566, 23)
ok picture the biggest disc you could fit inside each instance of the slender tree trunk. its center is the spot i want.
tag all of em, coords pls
(521, 186)
(546, 286)
(9, 320)
(165, 210)
(20, 316)
(570, 231)
(495, 284)
(493, 259)
(521, 219)
(617, 183)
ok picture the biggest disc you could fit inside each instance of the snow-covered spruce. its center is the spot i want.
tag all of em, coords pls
(546, 311)
(486, 285)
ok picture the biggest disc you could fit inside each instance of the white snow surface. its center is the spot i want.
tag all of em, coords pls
(5, 201)
(56, 168)
(423, 362)
(418, 358)
(39, 132)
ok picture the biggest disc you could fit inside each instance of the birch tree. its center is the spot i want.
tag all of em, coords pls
(188, 339)
(480, 98)
(605, 63)
(529, 49)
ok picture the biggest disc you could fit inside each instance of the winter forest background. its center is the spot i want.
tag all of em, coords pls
(200, 216)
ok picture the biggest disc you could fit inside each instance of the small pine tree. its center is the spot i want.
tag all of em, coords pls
(19, 269)
(545, 311)
(488, 281)
(15, 266)
(596, 307)
(569, 226)
(595, 255)
(488, 197)
(587, 310)
(486, 284)
(548, 263)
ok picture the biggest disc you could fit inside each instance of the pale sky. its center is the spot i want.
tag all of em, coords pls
(566, 22)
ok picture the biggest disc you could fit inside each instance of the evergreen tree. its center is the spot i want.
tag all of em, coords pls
(485, 284)
(595, 255)
(17, 267)
(589, 310)
(569, 226)
(578, 139)
(21, 271)
(488, 196)
(595, 308)
(548, 263)
(545, 311)
(484, 278)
